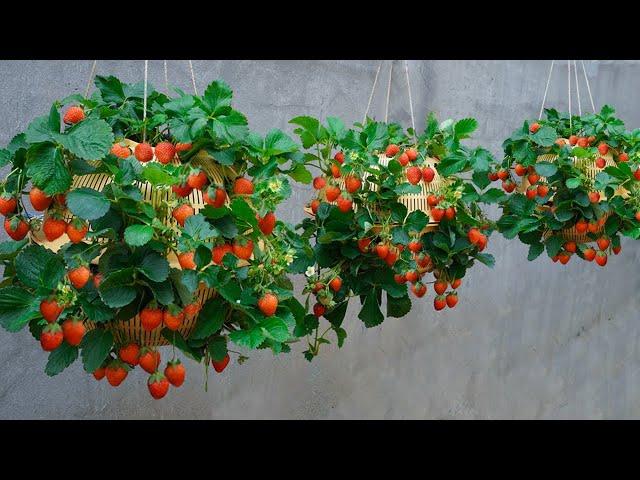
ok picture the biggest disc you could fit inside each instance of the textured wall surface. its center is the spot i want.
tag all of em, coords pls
(527, 340)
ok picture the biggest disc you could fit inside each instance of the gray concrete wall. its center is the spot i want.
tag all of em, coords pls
(527, 340)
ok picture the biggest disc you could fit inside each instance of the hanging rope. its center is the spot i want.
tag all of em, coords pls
(569, 87)
(575, 72)
(546, 89)
(144, 103)
(413, 121)
(91, 75)
(193, 78)
(373, 89)
(586, 79)
(386, 108)
(166, 77)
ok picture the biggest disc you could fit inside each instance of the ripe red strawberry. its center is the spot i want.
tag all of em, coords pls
(353, 184)
(414, 175)
(493, 176)
(335, 171)
(591, 139)
(601, 259)
(400, 278)
(456, 283)
(344, 204)
(192, 309)
(339, 157)
(440, 286)
(363, 244)
(533, 178)
(582, 225)
(636, 174)
(175, 372)
(573, 139)
(520, 169)
(583, 142)
(50, 309)
(482, 243)
(603, 148)
(403, 159)
(39, 200)
(183, 190)
(185, 259)
(173, 321)
(593, 227)
(332, 193)
(267, 223)
(542, 190)
(76, 231)
(130, 353)
(564, 258)
(437, 214)
(450, 213)
(165, 152)
(315, 204)
(219, 251)
(116, 373)
(73, 115)
(382, 250)
(97, 280)
(439, 302)
(182, 212)
(419, 289)
(508, 185)
(183, 147)
(428, 174)
(319, 183)
(335, 284)
(79, 276)
(503, 174)
(73, 331)
(215, 196)
(411, 276)
(143, 152)
(243, 186)
(197, 180)
(531, 192)
(268, 304)
(53, 228)
(120, 151)
(637, 215)
(594, 197)
(474, 235)
(158, 385)
(603, 243)
(7, 204)
(452, 299)
(534, 127)
(219, 366)
(571, 246)
(150, 318)
(149, 359)
(601, 162)
(392, 150)
(616, 250)
(432, 200)
(243, 250)
(623, 157)
(415, 246)
(391, 257)
(589, 254)
(319, 309)
(412, 153)
(99, 373)
(51, 337)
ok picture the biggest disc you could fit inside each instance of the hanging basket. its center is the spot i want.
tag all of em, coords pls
(126, 331)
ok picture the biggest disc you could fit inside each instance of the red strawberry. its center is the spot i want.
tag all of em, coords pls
(7, 204)
(623, 157)
(440, 286)
(150, 318)
(571, 246)
(363, 244)
(637, 215)
(50, 309)
(636, 174)
(344, 204)
(97, 280)
(616, 250)
(439, 302)
(336, 284)
(353, 184)
(130, 354)
(76, 231)
(149, 359)
(243, 250)
(315, 204)
(432, 200)
(143, 152)
(564, 258)
(51, 337)
(53, 228)
(79, 276)
(185, 259)
(219, 366)
(582, 225)
(339, 157)
(392, 150)
(116, 373)
(534, 127)
(601, 259)
(503, 174)
(573, 139)
(268, 304)
(391, 257)
(531, 192)
(589, 254)
(412, 153)
(319, 310)
(450, 213)
(400, 279)
(382, 250)
(175, 372)
(158, 385)
(332, 193)
(594, 197)
(215, 196)
(603, 148)
(600, 162)
(583, 142)
(508, 185)
(593, 227)
(411, 276)
(243, 186)
(73, 331)
(437, 214)
(603, 243)
(542, 190)
(414, 174)
(197, 180)
(183, 190)
(319, 183)
(173, 321)
(165, 152)
(267, 223)
(183, 147)
(99, 373)
(493, 176)
(219, 251)
(39, 200)
(419, 289)
(520, 169)
(474, 235)
(182, 212)
(192, 309)
(452, 299)
(533, 178)
(415, 246)
(73, 115)
(403, 159)
(335, 171)
(428, 174)
(456, 283)
(120, 151)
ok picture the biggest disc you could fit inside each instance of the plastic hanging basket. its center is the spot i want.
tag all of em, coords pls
(131, 330)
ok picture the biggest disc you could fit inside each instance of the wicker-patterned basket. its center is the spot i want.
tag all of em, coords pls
(126, 331)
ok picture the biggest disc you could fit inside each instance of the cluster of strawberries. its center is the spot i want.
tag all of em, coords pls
(164, 152)
(413, 173)
(332, 191)
(589, 253)
(323, 289)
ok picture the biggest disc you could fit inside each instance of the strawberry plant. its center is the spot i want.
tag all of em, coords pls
(367, 243)
(102, 254)
(576, 185)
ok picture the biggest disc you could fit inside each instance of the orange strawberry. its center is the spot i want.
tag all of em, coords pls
(183, 147)
(268, 304)
(243, 186)
(130, 354)
(428, 174)
(353, 184)
(73, 331)
(215, 196)
(79, 276)
(50, 309)
(175, 372)
(151, 318)
(143, 152)
(403, 159)
(332, 193)
(73, 115)
(344, 204)
(165, 152)
(319, 183)
(392, 150)
(412, 153)
(335, 171)
(172, 321)
(120, 151)
(51, 337)
(414, 174)
(339, 157)
(182, 212)
(185, 259)
(197, 180)
(76, 231)
(315, 204)
(243, 250)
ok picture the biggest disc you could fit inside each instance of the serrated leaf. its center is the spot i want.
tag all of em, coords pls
(276, 142)
(546, 169)
(90, 139)
(95, 348)
(176, 339)
(87, 203)
(17, 307)
(217, 348)
(251, 338)
(463, 128)
(370, 313)
(138, 235)
(301, 174)
(275, 328)
(154, 266)
(61, 358)
(38, 267)
(210, 319)
(46, 167)
(545, 136)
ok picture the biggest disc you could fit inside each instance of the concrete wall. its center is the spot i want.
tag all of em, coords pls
(527, 340)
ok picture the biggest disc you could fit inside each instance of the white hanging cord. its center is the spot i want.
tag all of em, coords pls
(91, 75)
(375, 82)
(575, 72)
(166, 77)
(413, 121)
(386, 108)
(193, 78)
(586, 79)
(144, 102)
(569, 88)
(546, 89)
